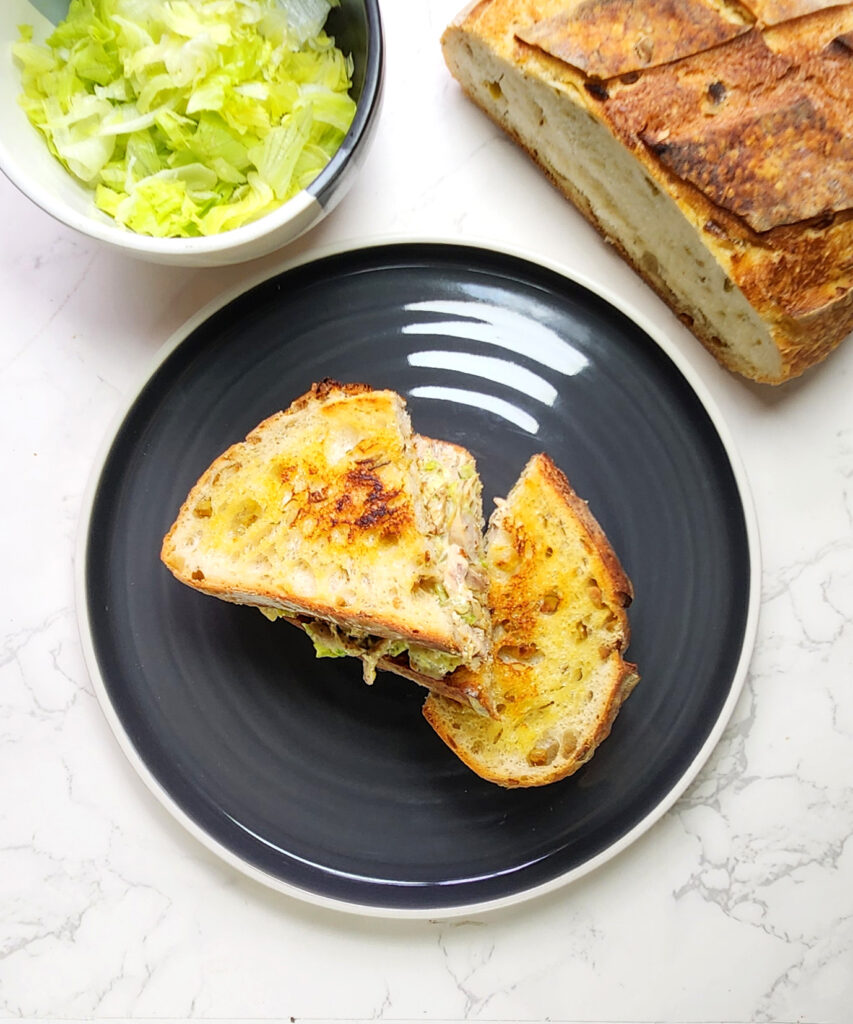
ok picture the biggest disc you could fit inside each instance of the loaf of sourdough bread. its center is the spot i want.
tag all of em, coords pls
(708, 140)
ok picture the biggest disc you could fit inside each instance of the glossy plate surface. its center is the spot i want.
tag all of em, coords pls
(291, 768)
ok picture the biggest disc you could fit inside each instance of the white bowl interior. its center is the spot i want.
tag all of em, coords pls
(23, 153)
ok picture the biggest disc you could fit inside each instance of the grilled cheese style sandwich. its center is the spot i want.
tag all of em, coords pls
(333, 515)
(557, 677)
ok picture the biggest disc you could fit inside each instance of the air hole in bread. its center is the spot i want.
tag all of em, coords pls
(204, 509)
(550, 603)
(525, 654)
(495, 90)
(500, 708)
(581, 630)
(569, 743)
(342, 442)
(229, 469)
(549, 551)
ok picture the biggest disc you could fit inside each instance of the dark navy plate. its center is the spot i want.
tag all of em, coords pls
(291, 768)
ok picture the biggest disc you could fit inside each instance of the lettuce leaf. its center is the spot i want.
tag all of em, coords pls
(189, 117)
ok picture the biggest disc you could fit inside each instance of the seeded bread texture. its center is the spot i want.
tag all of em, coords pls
(708, 141)
(319, 512)
(557, 676)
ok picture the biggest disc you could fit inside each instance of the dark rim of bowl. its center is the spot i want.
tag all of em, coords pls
(325, 184)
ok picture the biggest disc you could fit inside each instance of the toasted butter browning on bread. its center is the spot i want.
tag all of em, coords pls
(557, 675)
(451, 492)
(707, 140)
(321, 515)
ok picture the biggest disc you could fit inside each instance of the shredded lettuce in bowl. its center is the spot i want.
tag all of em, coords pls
(189, 117)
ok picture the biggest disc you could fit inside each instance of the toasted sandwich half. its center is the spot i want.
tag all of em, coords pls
(556, 676)
(327, 515)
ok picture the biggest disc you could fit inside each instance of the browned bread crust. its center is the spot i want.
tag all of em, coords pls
(557, 678)
(737, 118)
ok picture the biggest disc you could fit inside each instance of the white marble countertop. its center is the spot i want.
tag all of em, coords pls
(736, 906)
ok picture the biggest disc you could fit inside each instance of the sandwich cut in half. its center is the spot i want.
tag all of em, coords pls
(557, 676)
(334, 516)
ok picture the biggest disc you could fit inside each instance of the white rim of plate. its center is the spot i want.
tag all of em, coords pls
(435, 913)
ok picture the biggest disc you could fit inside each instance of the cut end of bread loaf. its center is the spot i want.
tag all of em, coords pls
(557, 676)
(721, 171)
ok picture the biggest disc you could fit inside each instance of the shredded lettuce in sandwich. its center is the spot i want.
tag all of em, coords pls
(451, 498)
(433, 664)
(189, 117)
(330, 641)
(323, 640)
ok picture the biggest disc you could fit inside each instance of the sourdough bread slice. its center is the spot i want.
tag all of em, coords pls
(320, 513)
(451, 492)
(557, 675)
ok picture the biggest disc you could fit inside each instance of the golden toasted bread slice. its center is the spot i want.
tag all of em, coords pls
(451, 493)
(320, 514)
(557, 595)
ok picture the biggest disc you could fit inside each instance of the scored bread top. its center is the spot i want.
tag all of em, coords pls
(606, 38)
(557, 677)
(319, 512)
(739, 111)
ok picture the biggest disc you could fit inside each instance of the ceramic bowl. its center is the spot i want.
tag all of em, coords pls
(26, 161)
